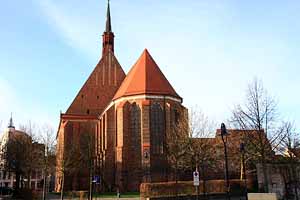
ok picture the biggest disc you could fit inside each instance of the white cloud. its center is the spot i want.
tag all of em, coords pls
(76, 31)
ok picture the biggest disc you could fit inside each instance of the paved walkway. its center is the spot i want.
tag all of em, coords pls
(116, 198)
(97, 198)
(57, 197)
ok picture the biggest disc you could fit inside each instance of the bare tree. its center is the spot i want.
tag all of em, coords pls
(47, 138)
(290, 147)
(15, 156)
(87, 157)
(23, 154)
(177, 145)
(34, 151)
(259, 114)
(201, 144)
(190, 145)
(67, 161)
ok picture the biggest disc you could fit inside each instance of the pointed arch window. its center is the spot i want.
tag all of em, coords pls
(157, 128)
(135, 127)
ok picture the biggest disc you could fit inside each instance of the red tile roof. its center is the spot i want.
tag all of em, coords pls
(145, 77)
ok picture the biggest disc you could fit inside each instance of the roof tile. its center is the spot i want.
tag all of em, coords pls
(145, 77)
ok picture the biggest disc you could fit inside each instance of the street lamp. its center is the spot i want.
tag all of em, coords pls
(242, 150)
(224, 135)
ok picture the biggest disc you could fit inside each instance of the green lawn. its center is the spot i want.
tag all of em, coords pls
(114, 195)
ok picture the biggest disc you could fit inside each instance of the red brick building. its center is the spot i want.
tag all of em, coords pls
(129, 117)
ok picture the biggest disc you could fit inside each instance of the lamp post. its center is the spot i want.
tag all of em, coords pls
(242, 150)
(224, 135)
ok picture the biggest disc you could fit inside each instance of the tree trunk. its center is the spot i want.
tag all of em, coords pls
(91, 186)
(295, 180)
(204, 182)
(29, 180)
(44, 185)
(264, 169)
(18, 178)
(286, 193)
(62, 186)
(176, 180)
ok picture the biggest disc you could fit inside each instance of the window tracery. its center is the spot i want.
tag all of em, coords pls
(157, 128)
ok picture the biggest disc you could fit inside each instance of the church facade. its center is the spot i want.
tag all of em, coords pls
(130, 118)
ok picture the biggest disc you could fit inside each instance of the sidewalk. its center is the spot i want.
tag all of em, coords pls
(57, 197)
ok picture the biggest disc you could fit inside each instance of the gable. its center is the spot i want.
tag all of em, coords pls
(100, 87)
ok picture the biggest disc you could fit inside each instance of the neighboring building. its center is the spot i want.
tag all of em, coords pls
(130, 116)
(234, 139)
(7, 177)
(283, 178)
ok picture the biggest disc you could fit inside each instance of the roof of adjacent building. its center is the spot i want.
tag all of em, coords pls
(145, 77)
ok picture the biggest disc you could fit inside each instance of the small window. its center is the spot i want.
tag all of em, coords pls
(88, 111)
(82, 96)
(97, 97)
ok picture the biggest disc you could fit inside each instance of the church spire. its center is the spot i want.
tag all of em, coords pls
(11, 124)
(108, 35)
(108, 22)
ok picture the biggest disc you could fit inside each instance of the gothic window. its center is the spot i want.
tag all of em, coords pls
(135, 127)
(157, 128)
(176, 116)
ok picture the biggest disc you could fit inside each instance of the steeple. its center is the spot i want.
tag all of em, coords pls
(108, 22)
(108, 35)
(11, 127)
(11, 124)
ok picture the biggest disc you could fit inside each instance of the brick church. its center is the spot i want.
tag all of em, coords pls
(129, 117)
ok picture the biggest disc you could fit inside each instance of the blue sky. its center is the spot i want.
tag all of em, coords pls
(209, 50)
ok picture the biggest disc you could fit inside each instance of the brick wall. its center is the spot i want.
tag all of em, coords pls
(99, 88)
(92, 98)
